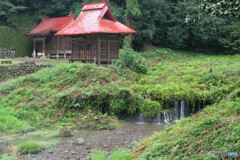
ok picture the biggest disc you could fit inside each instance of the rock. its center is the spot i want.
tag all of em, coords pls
(3, 145)
(65, 132)
(50, 152)
(79, 141)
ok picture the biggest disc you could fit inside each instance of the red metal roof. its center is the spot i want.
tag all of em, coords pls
(51, 25)
(95, 17)
(92, 6)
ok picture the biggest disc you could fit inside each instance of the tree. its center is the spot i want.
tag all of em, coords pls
(8, 10)
(132, 10)
(222, 7)
(231, 38)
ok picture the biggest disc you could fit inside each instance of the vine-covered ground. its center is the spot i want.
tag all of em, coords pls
(85, 96)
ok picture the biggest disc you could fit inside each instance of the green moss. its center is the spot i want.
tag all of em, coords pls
(11, 37)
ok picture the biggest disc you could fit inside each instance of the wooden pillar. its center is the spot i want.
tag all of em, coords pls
(34, 48)
(99, 50)
(109, 51)
(43, 47)
(118, 44)
(58, 44)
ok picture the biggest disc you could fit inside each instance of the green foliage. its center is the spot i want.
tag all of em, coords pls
(151, 108)
(199, 129)
(45, 133)
(231, 39)
(9, 123)
(130, 59)
(29, 147)
(214, 79)
(158, 22)
(47, 144)
(8, 157)
(222, 8)
(132, 8)
(116, 154)
(124, 101)
(8, 10)
(93, 121)
(97, 155)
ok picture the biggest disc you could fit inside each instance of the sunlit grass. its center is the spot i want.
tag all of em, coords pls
(45, 133)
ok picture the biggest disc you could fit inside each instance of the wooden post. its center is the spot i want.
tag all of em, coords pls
(95, 60)
(43, 46)
(119, 38)
(57, 43)
(109, 44)
(34, 48)
(99, 50)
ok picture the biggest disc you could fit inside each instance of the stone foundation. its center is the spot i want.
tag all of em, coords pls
(11, 71)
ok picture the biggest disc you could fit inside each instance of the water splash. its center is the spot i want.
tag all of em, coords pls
(176, 113)
(157, 120)
(182, 109)
(141, 119)
(166, 118)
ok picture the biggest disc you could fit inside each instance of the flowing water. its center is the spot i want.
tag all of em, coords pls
(175, 111)
(157, 120)
(182, 115)
(176, 117)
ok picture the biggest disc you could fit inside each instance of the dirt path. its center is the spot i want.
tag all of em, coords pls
(8, 81)
(12, 80)
(106, 140)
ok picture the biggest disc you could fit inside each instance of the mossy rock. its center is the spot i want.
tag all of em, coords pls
(65, 132)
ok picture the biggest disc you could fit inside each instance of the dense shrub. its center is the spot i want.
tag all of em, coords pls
(126, 101)
(130, 59)
(151, 108)
(231, 38)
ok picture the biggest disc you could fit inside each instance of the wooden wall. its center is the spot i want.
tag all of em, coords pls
(105, 47)
(58, 44)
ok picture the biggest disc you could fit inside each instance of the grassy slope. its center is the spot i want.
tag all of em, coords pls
(50, 96)
(217, 128)
(61, 94)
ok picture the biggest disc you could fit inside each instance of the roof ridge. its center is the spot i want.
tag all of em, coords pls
(95, 2)
(70, 16)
